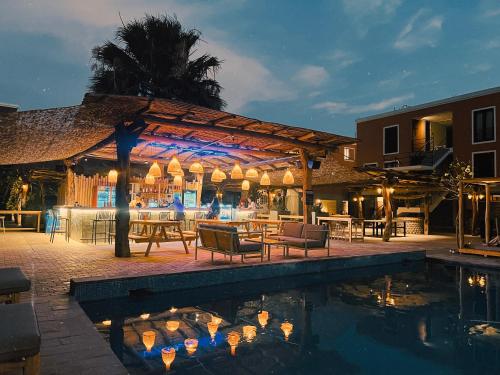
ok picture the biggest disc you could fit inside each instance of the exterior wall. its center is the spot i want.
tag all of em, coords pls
(370, 132)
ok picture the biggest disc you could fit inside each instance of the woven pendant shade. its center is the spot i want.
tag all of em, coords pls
(174, 166)
(288, 178)
(216, 175)
(265, 180)
(113, 176)
(180, 172)
(155, 170)
(237, 173)
(196, 167)
(252, 173)
(149, 180)
(178, 180)
(245, 185)
(222, 174)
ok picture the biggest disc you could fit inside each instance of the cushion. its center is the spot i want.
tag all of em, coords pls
(13, 280)
(19, 333)
(300, 242)
(311, 235)
(292, 229)
(248, 246)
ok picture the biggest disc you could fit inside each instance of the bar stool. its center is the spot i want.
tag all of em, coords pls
(102, 217)
(2, 223)
(164, 216)
(57, 220)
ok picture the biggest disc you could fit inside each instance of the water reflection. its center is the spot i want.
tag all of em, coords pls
(435, 319)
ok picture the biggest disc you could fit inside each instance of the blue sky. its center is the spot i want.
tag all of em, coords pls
(317, 64)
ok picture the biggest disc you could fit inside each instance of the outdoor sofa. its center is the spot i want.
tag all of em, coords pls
(226, 240)
(305, 236)
(12, 283)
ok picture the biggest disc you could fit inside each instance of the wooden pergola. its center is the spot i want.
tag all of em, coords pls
(487, 183)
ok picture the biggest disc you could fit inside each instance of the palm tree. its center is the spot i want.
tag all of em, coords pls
(153, 57)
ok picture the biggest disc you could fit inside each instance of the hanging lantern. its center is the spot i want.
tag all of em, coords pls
(216, 175)
(233, 339)
(174, 166)
(249, 333)
(288, 178)
(177, 180)
(191, 345)
(196, 167)
(155, 170)
(222, 174)
(113, 176)
(252, 173)
(287, 329)
(172, 325)
(168, 356)
(245, 185)
(180, 172)
(265, 180)
(149, 180)
(263, 317)
(236, 172)
(148, 339)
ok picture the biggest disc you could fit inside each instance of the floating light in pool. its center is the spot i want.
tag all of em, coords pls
(263, 317)
(216, 320)
(148, 339)
(191, 345)
(212, 329)
(145, 316)
(233, 339)
(168, 356)
(173, 310)
(106, 322)
(249, 333)
(172, 325)
(287, 329)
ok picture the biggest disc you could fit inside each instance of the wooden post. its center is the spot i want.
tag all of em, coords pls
(199, 189)
(306, 185)
(360, 208)
(426, 215)
(460, 231)
(474, 202)
(386, 193)
(70, 183)
(487, 212)
(126, 139)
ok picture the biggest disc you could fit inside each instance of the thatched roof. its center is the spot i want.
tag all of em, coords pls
(172, 127)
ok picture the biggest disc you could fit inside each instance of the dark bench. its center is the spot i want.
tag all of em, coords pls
(306, 236)
(19, 339)
(226, 240)
(12, 282)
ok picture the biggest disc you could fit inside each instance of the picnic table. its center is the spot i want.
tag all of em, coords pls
(24, 212)
(155, 231)
(377, 224)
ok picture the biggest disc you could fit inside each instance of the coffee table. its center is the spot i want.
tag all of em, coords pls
(268, 242)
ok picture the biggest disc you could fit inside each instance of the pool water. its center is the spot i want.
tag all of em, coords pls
(422, 318)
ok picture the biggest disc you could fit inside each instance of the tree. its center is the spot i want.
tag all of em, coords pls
(153, 56)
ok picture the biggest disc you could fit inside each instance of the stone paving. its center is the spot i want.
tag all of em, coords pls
(70, 344)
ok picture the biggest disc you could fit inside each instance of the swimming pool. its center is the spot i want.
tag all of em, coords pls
(419, 318)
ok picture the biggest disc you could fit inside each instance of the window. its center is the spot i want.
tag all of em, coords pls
(391, 164)
(349, 153)
(484, 164)
(370, 165)
(391, 139)
(483, 125)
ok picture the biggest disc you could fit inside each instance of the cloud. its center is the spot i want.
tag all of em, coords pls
(366, 14)
(422, 30)
(345, 108)
(80, 25)
(396, 80)
(342, 59)
(492, 13)
(311, 76)
(478, 68)
(492, 44)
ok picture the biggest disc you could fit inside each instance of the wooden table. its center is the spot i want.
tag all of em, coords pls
(162, 236)
(268, 242)
(343, 219)
(292, 218)
(22, 212)
(261, 224)
(380, 223)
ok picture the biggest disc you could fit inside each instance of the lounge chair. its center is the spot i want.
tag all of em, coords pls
(12, 282)
(225, 240)
(306, 236)
(19, 339)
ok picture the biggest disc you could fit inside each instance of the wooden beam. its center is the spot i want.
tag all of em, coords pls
(386, 194)
(239, 132)
(306, 136)
(306, 185)
(487, 213)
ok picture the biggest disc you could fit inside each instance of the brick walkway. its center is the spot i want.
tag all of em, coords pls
(70, 343)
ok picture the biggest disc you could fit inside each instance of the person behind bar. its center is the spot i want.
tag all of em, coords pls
(137, 202)
(214, 210)
(178, 209)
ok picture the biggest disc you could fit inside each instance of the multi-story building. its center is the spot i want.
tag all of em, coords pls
(427, 136)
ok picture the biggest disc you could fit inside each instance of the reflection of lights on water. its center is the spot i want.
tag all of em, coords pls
(233, 338)
(168, 356)
(477, 280)
(287, 329)
(249, 333)
(263, 317)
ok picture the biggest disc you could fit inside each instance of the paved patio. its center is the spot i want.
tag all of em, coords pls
(70, 343)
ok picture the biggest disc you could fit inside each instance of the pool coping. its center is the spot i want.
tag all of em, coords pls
(105, 287)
